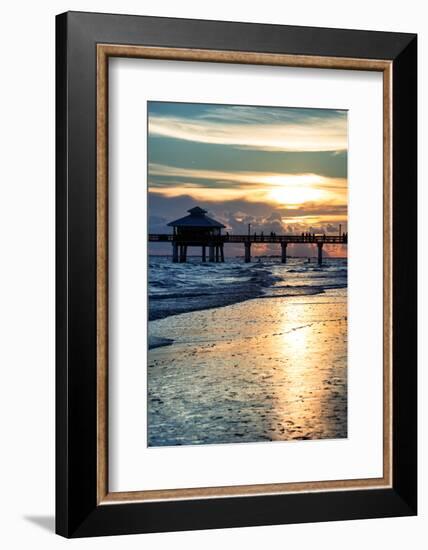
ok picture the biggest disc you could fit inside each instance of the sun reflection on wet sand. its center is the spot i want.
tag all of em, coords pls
(311, 396)
(262, 370)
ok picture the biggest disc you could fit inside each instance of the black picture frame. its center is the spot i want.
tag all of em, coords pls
(78, 513)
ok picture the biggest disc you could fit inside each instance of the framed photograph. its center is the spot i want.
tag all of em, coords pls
(236, 274)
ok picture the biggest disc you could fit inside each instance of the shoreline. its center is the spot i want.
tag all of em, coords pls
(156, 342)
(224, 301)
(171, 304)
(219, 300)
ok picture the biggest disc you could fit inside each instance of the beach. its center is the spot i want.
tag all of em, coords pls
(268, 368)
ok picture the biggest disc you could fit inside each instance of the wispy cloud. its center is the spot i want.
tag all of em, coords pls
(260, 128)
(276, 188)
(247, 178)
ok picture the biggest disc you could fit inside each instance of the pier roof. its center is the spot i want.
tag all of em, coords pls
(197, 218)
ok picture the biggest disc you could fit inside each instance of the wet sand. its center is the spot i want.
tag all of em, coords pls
(267, 369)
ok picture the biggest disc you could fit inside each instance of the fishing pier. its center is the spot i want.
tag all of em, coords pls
(198, 229)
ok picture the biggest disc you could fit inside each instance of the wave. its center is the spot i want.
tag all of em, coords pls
(192, 286)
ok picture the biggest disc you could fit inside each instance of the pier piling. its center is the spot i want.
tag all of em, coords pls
(247, 252)
(211, 255)
(319, 245)
(284, 253)
(183, 253)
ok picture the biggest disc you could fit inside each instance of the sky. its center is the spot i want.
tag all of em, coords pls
(279, 169)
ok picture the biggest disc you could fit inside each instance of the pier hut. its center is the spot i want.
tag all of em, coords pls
(197, 229)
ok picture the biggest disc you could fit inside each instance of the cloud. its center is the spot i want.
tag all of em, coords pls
(237, 214)
(269, 129)
(315, 209)
(243, 177)
(276, 188)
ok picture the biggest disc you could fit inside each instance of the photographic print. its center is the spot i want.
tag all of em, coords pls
(247, 274)
(212, 368)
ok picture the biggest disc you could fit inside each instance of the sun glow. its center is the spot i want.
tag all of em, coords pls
(294, 179)
(275, 188)
(294, 195)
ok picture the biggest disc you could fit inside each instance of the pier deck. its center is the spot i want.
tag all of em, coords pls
(199, 240)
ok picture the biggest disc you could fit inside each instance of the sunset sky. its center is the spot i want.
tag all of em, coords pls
(280, 169)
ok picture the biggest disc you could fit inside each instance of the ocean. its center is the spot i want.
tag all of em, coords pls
(183, 287)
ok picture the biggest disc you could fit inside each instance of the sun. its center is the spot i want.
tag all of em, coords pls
(294, 189)
(293, 195)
